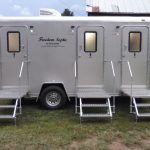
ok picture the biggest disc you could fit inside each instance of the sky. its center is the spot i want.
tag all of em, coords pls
(31, 7)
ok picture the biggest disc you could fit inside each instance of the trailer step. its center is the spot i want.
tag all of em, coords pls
(144, 115)
(137, 107)
(95, 112)
(16, 109)
(7, 106)
(136, 92)
(91, 92)
(94, 105)
(7, 117)
(96, 116)
(12, 93)
(143, 105)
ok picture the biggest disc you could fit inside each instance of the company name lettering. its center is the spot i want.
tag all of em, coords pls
(42, 39)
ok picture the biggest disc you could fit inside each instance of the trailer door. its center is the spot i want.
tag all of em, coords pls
(13, 48)
(135, 51)
(90, 56)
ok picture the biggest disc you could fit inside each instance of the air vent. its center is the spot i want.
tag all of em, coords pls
(49, 12)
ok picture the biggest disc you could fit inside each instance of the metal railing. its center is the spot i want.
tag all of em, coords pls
(81, 112)
(75, 69)
(136, 109)
(113, 70)
(135, 106)
(20, 76)
(114, 81)
(131, 75)
(112, 67)
(109, 105)
(130, 71)
(15, 109)
(76, 99)
(21, 69)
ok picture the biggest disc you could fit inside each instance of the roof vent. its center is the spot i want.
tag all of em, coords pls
(49, 12)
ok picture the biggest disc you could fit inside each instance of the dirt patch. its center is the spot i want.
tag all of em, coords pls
(74, 145)
(88, 142)
(146, 143)
(117, 146)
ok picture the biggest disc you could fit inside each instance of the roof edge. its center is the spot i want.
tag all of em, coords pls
(123, 14)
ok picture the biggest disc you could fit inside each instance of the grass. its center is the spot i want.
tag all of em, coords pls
(39, 129)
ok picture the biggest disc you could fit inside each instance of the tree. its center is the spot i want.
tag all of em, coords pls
(67, 12)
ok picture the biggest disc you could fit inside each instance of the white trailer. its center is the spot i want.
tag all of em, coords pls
(54, 59)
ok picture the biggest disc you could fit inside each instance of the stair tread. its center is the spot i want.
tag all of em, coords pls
(137, 92)
(144, 115)
(96, 115)
(12, 93)
(94, 105)
(143, 105)
(6, 117)
(7, 106)
(91, 92)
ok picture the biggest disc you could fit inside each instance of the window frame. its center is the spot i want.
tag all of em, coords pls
(140, 42)
(8, 45)
(85, 42)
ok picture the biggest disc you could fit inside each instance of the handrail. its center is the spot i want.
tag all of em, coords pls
(15, 109)
(75, 69)
(113, 70)
(134, 102)
(114, 82)
(21, 69)
(131, 75)
(129, 66)
(81, 112)
(112, 67)
(108, 101)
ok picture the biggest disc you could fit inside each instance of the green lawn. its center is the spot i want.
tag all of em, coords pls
(39, 129)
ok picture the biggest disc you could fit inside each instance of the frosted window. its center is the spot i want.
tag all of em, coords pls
(90, 41)
(13, 39)
(134, 41)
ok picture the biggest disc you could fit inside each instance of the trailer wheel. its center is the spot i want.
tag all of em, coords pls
(53, 97)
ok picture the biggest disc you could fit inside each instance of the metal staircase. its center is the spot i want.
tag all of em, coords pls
(141, 110)
(106, 106)
(16, 109)
(9, 93)
(98, 105)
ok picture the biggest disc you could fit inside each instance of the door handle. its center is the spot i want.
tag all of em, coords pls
(124, 50)
(80, 47)
(124, 47)
(25, 56)
(23, 47)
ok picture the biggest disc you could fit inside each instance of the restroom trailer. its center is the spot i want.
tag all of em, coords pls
(54, 59)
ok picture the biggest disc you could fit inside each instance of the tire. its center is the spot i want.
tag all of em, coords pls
(53, 97)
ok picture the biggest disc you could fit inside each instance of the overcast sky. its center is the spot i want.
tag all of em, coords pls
(31, 7)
